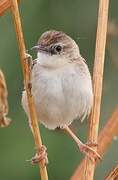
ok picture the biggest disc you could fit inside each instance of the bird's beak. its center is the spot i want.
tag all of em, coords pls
(35, 48)
(40, 48)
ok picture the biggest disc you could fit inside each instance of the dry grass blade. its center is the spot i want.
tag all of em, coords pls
(26, 73)
(104, 140)
(113, 174)
(4, 6)
(4, 121)
(97, 82)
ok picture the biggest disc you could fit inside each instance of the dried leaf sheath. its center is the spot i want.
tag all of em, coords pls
(4, 6)
(4, 121)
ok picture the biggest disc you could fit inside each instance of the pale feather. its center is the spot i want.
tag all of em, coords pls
(61, 95)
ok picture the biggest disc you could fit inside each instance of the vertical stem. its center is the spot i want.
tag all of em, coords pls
(97, 81)
(26, 73)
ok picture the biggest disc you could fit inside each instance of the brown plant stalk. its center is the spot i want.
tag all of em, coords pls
(89, 166)
(105, 138)
(26, 73)
(4, 6)
(113, 175)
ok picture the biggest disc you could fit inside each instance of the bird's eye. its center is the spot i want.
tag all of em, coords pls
(58, 48)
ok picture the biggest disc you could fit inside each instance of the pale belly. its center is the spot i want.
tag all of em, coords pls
(61, 97)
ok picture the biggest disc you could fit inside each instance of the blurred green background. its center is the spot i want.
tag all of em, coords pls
(78, 19)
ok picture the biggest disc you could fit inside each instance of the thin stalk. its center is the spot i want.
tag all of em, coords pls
(113, 175)
(26, 73)
(97, 82)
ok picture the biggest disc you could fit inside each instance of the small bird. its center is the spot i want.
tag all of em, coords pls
(61, 85)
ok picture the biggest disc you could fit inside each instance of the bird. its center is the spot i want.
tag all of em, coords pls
(61, 85)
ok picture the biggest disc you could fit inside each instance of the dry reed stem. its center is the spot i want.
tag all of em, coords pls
(26, 73)
(4, 6)
(4, 121)
(97, 82)
(104, 140)
(113, 175)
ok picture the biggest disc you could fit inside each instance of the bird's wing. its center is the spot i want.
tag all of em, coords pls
(81, 67)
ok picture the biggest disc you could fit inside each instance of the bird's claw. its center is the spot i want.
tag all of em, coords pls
(40, 155)
(91, 153)
(28, 56)
(28, 59)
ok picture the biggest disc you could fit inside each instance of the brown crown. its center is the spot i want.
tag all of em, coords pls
(50, 37)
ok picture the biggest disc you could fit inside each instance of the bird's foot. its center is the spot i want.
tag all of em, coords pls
(40, 155)
(28, 56)
(28, 60)
(86, 149)
(91, 153)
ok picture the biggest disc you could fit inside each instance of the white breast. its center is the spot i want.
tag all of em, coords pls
(61, 95)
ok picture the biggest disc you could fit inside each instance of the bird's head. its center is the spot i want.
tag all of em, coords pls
(55, 48)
